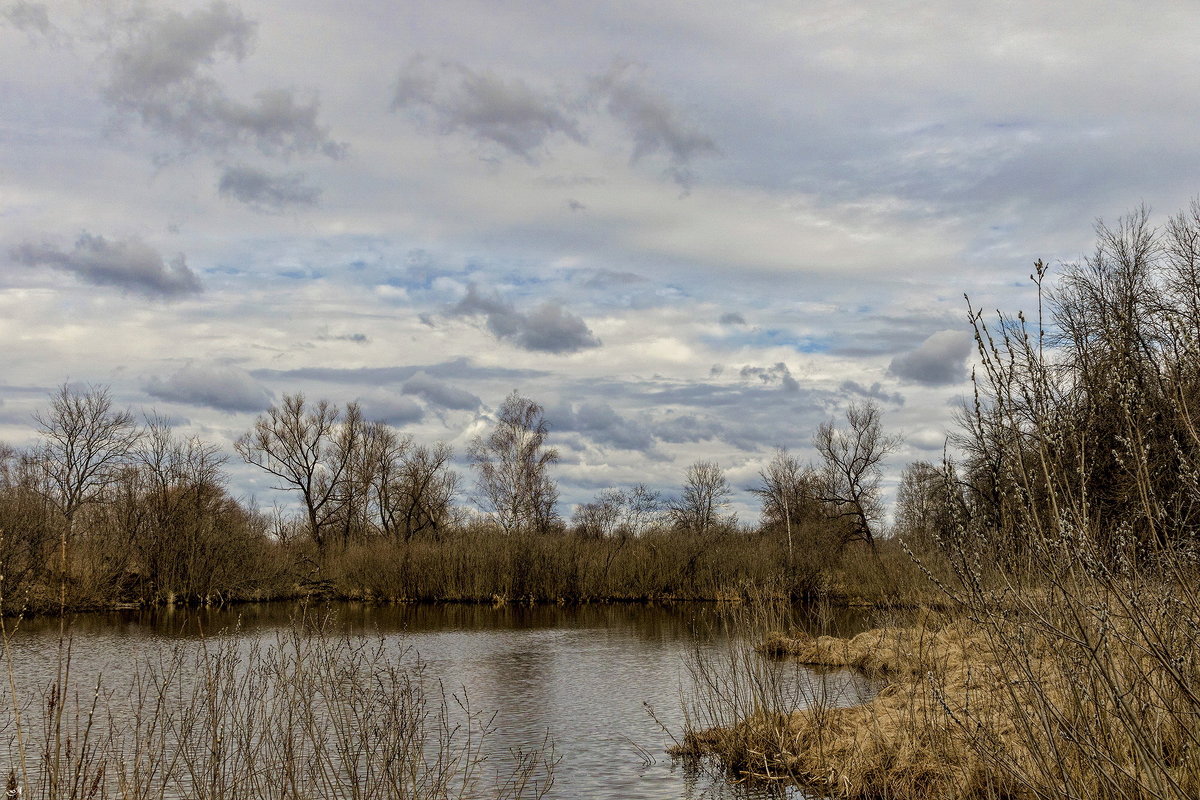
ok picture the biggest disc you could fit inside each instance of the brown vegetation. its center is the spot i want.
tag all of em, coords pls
(1069, 663)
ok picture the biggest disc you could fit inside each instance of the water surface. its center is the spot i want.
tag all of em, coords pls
(605, 683)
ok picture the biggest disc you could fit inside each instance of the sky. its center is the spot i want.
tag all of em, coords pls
(690, 230)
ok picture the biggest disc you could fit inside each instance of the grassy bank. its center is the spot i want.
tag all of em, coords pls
(1087, 686)
(478, 563)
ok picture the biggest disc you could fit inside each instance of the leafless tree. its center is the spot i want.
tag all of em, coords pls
(85, 443)
(923, 506)
(412, 486)
(788, 491)
(351, 509)
(427, 490)
(512, 463)
(28, 535)
(703, 499)
(308, 451)
(600, 518)
(643, 507)
(379, 469)
(181, 496)
(851, 472)
(617, 512)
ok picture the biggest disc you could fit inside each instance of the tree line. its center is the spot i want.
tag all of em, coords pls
(105, 507)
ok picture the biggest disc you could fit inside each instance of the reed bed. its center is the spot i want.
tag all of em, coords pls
(1079, 690)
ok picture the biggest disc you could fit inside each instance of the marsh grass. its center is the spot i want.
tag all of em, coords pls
(481, 564)
(1086, 685)
(308, 715)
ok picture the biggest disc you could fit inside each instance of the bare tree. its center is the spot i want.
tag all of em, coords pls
(851, 474)
(27, 557)
(383, 454)
(427, 490)
(788, 492)
(601, 518)
(923, 506)
(351, 509)
(513, 463)
(703, 499)
(307, 449)
(643, 507)
(412, 487)
(85, 444)
(617, 512)
(181, 494)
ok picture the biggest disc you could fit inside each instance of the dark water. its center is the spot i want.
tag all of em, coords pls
(587, 677)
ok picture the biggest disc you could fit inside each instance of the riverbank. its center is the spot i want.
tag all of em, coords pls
(1033, 697)
(481, 565)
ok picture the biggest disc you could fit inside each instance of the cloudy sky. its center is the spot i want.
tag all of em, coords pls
(689, 229)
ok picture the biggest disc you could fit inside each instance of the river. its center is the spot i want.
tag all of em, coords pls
(604, 683)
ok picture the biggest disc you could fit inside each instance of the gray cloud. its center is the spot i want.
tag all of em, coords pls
(874, 392)
(928, 439)
(129, 264)
(940, 360)
(601, 424)
(265, 191)
(604, 278)
(776, 373)
(28, 17)
(654, 124)
(458, 368)
(158, 74)
(439, 393)
(356, 338)
(393, 410)
(222, 387)
(732, 318)
(549, 328)
(505, 112)
(688, 428)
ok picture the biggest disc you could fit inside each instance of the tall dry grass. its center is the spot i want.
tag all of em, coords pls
(479, 563)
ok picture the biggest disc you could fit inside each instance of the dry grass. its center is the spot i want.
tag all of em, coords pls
(995, 708)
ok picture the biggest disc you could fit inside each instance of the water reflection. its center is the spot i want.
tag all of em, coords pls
(584, 675)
